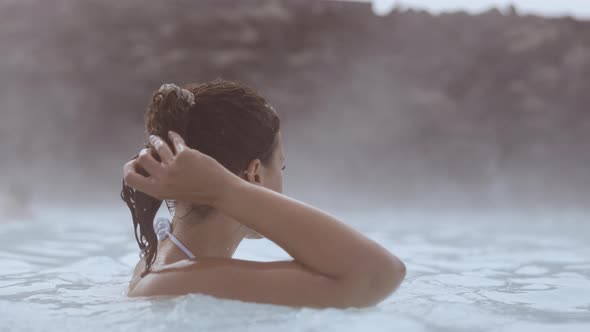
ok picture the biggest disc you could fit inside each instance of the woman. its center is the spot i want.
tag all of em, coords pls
(215, 155)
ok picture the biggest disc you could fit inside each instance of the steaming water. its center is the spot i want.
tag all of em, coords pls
(68, 272)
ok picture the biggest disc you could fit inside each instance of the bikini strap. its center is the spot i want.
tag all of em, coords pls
(163, 229)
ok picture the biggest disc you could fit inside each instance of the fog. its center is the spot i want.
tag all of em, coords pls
(406, 112)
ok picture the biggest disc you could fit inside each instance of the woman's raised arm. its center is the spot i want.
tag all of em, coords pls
(311, 236)
(330, 256)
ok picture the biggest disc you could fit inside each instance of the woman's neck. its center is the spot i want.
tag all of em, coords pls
(215, 236)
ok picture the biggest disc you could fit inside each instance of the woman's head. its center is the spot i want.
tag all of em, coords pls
(226, 120)
(223, 119)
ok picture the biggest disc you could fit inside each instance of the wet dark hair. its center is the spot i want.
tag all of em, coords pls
(228, 121)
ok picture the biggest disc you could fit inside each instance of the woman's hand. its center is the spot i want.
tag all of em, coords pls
(187, 175)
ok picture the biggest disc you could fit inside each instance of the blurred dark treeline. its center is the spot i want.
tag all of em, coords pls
(406, 110)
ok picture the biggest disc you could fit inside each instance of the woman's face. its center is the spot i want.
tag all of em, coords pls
(272, 175)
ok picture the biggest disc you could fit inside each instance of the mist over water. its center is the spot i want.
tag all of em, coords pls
(406, 111)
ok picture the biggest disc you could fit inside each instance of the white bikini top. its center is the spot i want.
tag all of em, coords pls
(163, 230)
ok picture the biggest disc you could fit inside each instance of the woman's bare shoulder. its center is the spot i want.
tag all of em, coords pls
(162, 276)
(278, 282)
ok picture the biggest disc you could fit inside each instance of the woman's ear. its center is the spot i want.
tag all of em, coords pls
(252, 173)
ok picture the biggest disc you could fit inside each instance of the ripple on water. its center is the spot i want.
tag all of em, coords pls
(532, 270)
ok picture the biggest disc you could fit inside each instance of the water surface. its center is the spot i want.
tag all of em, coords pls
(67, 271)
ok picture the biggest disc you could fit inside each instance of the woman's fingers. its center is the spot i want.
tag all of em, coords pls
(149, 163)
(134, 179)
(162, 149)
(177, 140)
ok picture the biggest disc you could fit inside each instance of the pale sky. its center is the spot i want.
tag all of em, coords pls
(576, 8)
